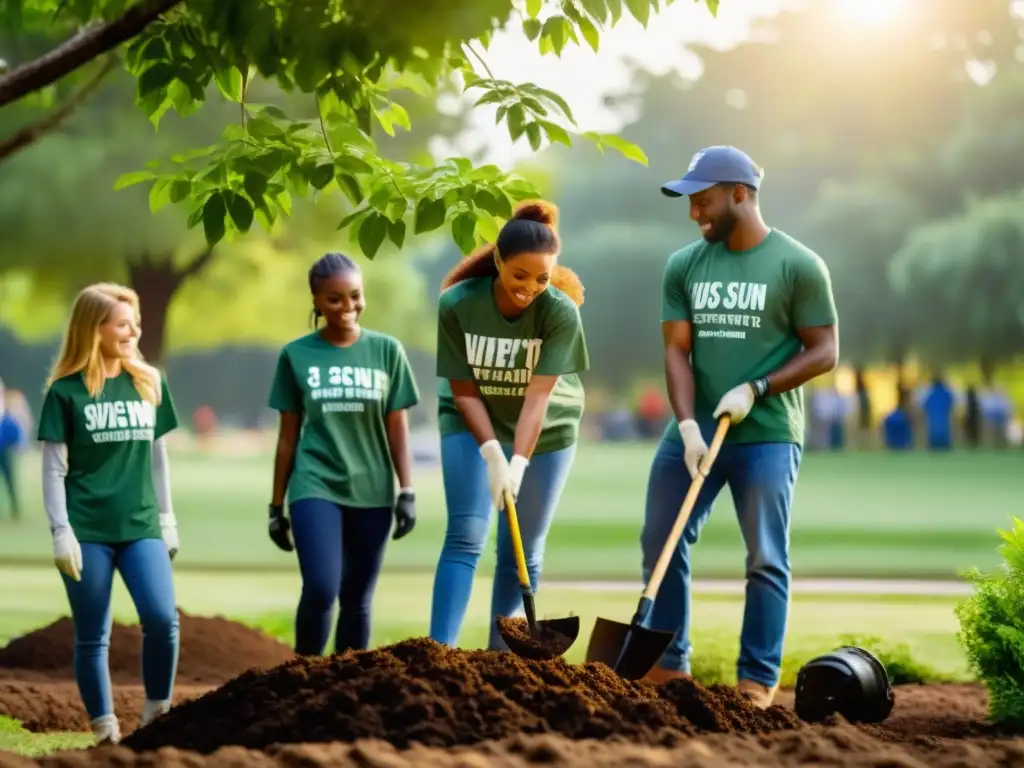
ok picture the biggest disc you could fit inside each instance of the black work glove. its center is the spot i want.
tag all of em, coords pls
(280, 529)
(405, 514)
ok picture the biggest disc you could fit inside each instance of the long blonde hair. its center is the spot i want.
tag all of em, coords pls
(80, 348)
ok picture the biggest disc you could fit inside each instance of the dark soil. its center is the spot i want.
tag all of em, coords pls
(421, 691)
(213, 650)
(546, 644)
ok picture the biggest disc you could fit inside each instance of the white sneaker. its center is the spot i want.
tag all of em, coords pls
(151, 710)
(106, 730)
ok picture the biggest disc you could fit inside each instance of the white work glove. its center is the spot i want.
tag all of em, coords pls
(67, 553)
(737, 402)
(516, 469)
(498, 472)
(169, 530)
(694, 447)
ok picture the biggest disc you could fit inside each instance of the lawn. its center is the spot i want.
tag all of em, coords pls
(856, 514)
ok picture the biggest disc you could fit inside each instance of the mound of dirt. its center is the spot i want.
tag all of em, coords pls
(419, 691)
(213, 651)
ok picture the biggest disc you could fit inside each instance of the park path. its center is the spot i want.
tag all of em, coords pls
(800, 586)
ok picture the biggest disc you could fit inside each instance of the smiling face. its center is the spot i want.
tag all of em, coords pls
(717, 211)
(119, 333)
(525, 276)
(340, 299)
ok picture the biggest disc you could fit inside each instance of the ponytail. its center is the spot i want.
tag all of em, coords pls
(532, 229)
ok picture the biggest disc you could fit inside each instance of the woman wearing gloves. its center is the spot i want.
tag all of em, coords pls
(510, 348)
(106, 490)
(343, 392)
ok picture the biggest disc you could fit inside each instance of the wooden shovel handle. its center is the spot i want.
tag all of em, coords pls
(654, 583)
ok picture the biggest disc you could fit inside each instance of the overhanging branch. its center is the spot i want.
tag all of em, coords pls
(89, 44)
(33, 132)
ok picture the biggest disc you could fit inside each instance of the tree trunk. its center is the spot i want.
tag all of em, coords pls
(156, 281)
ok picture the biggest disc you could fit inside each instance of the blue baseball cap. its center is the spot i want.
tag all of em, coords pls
(715, 165)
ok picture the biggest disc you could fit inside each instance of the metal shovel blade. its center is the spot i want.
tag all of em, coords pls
(542, 646)
(631, 651)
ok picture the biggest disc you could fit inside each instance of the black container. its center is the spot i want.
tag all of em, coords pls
(849, 681)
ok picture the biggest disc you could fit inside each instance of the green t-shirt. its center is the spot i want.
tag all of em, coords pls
(109, 485)
(746, 308)
(344, 395)
(475, 342)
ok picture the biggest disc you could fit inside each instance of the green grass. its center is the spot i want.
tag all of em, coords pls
(855, 514)
(924, 627)
(14, 738)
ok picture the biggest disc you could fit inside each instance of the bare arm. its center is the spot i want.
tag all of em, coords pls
(162, 479)
(284, 457)
(678, 338)
(397, 425)
(471, 406)
(819, 355)
(531, 417)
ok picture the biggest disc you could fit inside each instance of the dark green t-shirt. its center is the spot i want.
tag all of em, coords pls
(344, 395)
(109, 485)
(475, 342)
(746, 308)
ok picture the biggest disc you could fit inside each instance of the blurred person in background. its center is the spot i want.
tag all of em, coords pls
(748, 317)
(937, 402)
(12, 438)
(106, 491)
(898, 424)
(972, 417)
(510, 346)
(343, 392)
(996, 411)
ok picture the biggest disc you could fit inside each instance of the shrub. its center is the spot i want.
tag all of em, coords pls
(992, 629)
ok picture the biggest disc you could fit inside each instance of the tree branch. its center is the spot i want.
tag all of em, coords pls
(197, 264)
(35, 131)
(92, 42)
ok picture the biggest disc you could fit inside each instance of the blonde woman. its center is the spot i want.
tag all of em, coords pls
(106, 490)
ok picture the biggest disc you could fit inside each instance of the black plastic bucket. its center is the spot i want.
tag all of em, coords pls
(849, 681)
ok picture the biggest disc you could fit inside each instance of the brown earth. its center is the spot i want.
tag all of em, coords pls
(481, 708)
(546, 644)
(37, 670)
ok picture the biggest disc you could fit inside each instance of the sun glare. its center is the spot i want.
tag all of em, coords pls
(870, 11)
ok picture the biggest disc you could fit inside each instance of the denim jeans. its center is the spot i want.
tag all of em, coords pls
(761, 477)
(146, 570)
(470, 508)
(340, 552)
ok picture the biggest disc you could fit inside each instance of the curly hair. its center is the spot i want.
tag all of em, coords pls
(532, 229)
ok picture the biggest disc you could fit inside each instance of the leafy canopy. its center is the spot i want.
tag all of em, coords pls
(352, 58)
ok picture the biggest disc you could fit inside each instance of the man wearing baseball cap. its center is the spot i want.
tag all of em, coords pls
(748, 317)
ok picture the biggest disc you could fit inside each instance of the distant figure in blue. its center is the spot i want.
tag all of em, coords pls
(12, 436)
(897, 427)
(937, 402)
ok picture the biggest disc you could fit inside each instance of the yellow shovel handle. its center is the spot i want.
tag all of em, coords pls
(517, 540)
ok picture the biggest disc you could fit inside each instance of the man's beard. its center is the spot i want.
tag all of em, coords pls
(722, 228)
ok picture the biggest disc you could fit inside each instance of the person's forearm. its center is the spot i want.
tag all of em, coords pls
(55, 469)
(284, 461)
(531, 423)
(162, 479)
(477, 419)
(398, 443)
(679, 377)
(807, 365)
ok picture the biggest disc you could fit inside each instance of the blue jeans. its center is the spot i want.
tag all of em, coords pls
(761, 477)
(146, 570)
(340, 552)
(469, 505)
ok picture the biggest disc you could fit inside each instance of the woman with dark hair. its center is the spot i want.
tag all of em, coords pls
(342, 391)
(510, 348)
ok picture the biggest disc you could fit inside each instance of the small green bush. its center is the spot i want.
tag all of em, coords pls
(899, 663)
(992, 629)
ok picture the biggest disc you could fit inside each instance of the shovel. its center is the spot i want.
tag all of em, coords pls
(632, 649)
(543, 641)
